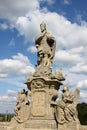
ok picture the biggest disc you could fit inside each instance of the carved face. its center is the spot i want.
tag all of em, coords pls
(65, 88)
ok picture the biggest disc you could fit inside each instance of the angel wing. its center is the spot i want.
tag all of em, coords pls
(76, 94)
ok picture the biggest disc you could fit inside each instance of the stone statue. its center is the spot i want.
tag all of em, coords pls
(38, 107)
(45, 44)
(66, 107)
(58, 75)
(22, 106)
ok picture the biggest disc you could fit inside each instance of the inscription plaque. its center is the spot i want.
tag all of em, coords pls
(39, 104)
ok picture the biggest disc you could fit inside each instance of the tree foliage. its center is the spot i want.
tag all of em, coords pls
(82, 113)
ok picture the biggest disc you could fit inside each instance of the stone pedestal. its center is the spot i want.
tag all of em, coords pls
(70, 126)
(43, 95)
(40, 125)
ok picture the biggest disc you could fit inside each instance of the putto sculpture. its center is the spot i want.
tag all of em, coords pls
(39, 108)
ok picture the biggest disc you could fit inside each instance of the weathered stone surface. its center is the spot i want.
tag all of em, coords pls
(83, 127)
(4, 125)
(22, 107)
(45, 44)
(41, 124)
(66, 107)
(69, 126)
(38, 104)
(46, 125)
(43, 94)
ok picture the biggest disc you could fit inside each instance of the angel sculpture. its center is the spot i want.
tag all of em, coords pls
(66, 107)
(22, 107)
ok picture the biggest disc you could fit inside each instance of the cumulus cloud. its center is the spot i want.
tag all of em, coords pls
(29, 16)
(80, 68)
(68, 35)
(82, 84)
(32, 49)
(83, 97)
(7, 98)
(67, 2)
(48, 1)
(77, 50)
(12, 93)
(7, 102)
(19, 65)
(12, 43)
(27, 28)
(3, 26)
(66, 57)
(11, 10)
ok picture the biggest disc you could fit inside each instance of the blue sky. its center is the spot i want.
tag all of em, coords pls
(19, 25)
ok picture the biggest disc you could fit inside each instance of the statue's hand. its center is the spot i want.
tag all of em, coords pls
(43, 33)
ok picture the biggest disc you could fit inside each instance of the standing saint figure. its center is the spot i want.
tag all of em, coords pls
(45, 44)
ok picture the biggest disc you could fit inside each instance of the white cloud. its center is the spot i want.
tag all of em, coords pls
(3, 75)
(12, 93)
(83, 97)
(66, 57)
(80, 68)
(32, 49)
(77, 50)
(8, 102)
(27, 27)
(67, 2)
(48, 1)
(7, 98)
(21, 57)
(11, 10)
(18, 65)
(12, 43)
(17, 82)
(3, 26)
(68, 35)
(82, 84)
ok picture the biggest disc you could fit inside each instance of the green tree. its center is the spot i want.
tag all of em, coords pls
(82, 113)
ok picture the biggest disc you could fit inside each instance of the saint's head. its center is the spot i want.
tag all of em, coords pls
(43, 26)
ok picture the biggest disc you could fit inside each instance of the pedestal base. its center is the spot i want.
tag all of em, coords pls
(35, 125)
(69, 126)
(40, 125)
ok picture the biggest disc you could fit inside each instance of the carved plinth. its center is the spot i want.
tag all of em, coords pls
(40, 124)
(70, 126)
(43, 95)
